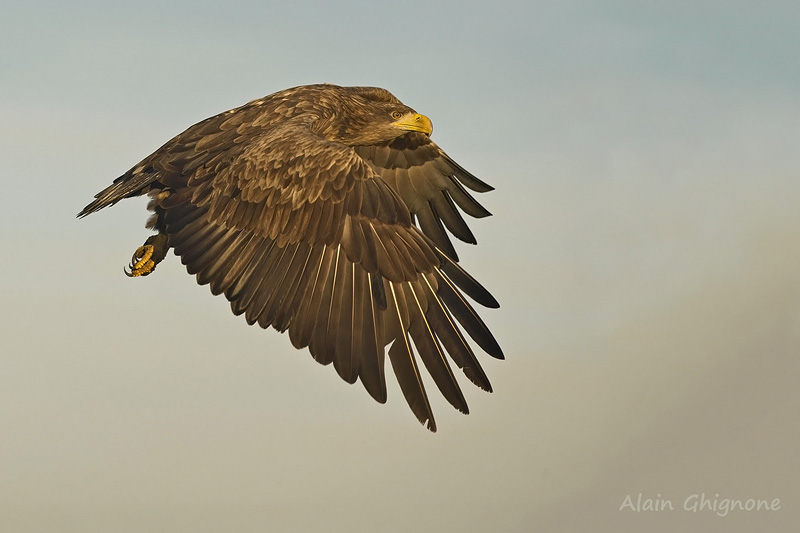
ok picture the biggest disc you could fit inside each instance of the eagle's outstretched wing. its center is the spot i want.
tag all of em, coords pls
(316, 237)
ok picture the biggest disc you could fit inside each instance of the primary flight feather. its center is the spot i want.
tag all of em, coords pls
(324, 211)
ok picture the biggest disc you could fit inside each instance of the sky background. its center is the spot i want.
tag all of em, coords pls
(644, 250)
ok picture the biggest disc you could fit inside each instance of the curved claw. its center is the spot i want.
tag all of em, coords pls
(148, 255)
(141, 263)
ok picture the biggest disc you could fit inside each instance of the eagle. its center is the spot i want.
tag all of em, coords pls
(326, 212)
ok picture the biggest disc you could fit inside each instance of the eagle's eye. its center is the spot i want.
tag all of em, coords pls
(396, 115)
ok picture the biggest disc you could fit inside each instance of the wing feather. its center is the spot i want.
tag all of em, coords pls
(302, 332)
(429, 348)
(346, 361)
(242, 292)
(369, 336)
(405, 366)
(468, 318)
(270, 270)
(223, 275)
(454, 342)
(319, 334)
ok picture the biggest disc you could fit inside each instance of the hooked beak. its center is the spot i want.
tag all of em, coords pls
(415, 122)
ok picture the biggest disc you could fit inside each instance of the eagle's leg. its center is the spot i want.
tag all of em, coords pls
(147, 256)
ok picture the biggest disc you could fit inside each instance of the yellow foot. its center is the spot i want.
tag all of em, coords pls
(148, 255)
(141, 262)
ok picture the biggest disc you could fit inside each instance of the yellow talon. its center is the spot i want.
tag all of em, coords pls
(141, 262)
(148, 255)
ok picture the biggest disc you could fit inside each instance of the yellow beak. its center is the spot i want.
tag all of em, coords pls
(415, 122)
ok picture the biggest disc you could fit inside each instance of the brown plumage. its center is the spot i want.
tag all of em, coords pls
(325, 211)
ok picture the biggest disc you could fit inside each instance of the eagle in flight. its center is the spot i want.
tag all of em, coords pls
(324, 211)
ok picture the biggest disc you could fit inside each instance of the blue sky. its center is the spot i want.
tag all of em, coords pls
(643, 248)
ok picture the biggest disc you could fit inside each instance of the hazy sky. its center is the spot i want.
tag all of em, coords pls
(644, 250)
